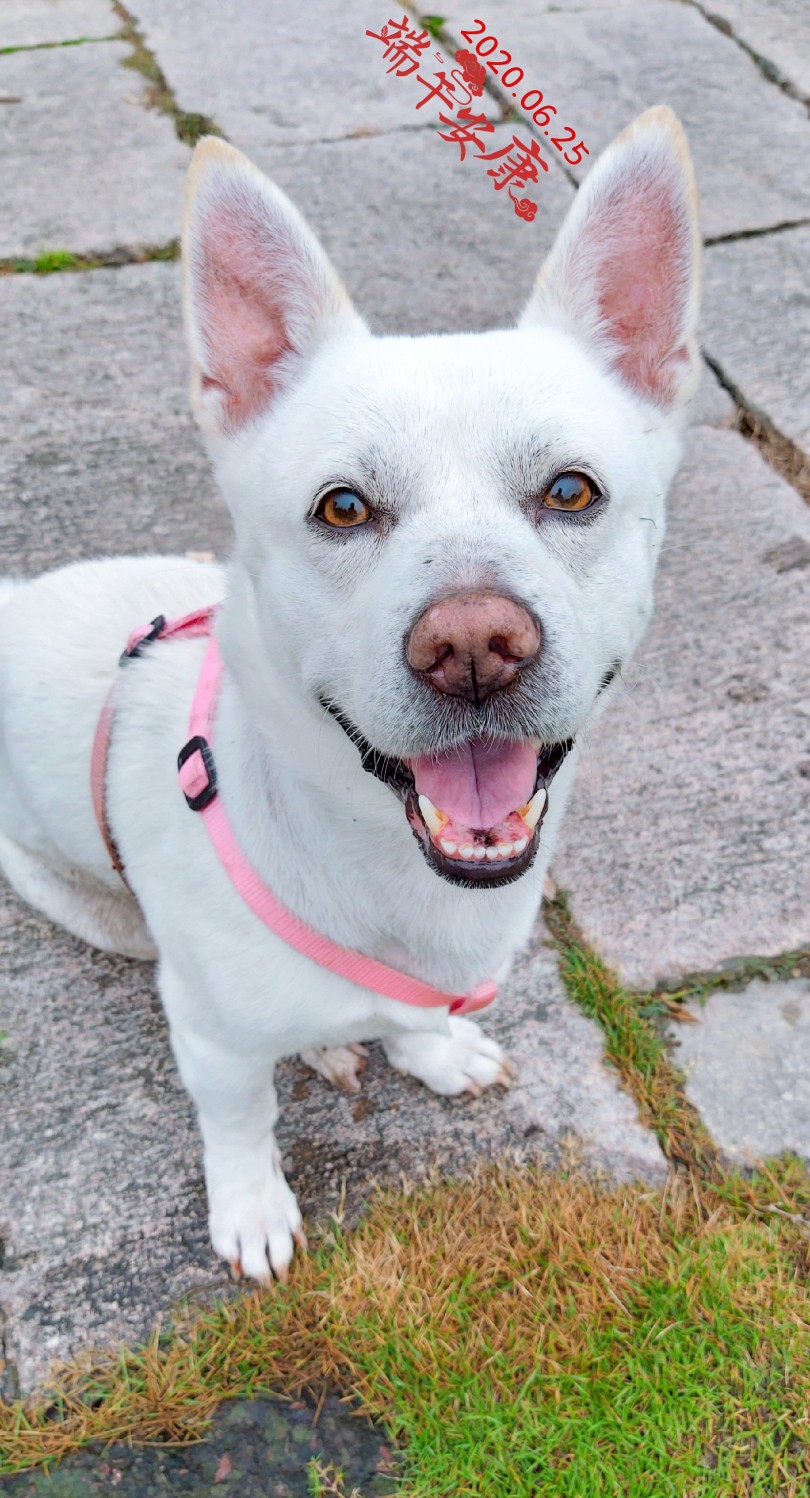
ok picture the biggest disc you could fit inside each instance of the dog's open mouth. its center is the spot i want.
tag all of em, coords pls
(476, 810)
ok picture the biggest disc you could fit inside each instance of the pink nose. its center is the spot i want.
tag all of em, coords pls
(472, 644)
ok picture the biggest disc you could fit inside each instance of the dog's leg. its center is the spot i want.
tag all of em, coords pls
(466, 1060)
(253, 1216)
(110, 921)
(340, 1064)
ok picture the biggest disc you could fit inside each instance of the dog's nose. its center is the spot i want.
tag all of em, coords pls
(472, 644)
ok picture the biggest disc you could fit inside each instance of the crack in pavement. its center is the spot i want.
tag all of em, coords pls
(63, 262)
(505, 104)
(760, 233)
(74, 41)
(769, 70)
(189, 126)
(780, 452)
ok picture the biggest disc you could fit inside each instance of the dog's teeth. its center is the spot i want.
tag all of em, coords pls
(479, 854)
(467, 851)
(522, 842)
(434, 819)
(449, 847)
(492, 854)
(503, 849)
(536, 744)
(533, 810)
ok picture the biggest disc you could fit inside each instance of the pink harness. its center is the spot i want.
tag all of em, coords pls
(198, 781)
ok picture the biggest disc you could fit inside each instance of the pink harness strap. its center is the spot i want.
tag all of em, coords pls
(198, 623)
(197, 776)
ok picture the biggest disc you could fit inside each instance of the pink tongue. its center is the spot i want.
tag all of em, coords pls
(480, 783)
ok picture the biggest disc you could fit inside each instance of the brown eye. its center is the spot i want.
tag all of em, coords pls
(343, 508)
(570, 491)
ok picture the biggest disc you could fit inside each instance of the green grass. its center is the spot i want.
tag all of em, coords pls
(524, 1334)
(328, 1481)
(49, 261)
(52, 262)
(432, 25)
(74, 41)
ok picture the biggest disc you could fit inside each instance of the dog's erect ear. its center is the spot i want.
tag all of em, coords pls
(259, 292)
(625, 268)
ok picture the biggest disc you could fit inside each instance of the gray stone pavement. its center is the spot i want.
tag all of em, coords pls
(600, 66)
(687, 841)
(101, 170)
(324, 81)
(775, 31)
(756, 325)
(688, 838)
(37, 23)
(754, 1095)
(100, 452)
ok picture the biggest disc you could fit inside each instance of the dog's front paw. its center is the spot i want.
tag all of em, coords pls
(254, 1225)
(340, 1064)
(466, 1060)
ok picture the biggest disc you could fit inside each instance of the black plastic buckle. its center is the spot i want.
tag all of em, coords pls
(209, 791)
(158, 626)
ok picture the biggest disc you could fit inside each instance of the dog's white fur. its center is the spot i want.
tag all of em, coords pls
(293, 394)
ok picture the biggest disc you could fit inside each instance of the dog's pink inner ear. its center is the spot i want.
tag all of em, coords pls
(643, 248)
(240, 301)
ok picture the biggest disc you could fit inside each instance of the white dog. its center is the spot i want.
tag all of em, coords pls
(445, 549)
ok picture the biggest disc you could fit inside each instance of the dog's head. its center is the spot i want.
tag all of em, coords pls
(450, 541)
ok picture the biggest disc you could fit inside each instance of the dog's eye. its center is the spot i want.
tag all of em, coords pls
(343, 508)
(570, 491)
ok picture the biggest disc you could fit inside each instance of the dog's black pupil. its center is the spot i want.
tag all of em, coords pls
(342, 507)
(568, 488)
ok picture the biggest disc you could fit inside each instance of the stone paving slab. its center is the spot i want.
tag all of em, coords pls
(422, 240)
(602, 67)
(712, 406)
(98, 450)
(103, 1212)
(747, 1064)
(777, 30)
(29, 23)
(756, 325)
(687, 841)
(84, 165)
(275, 83)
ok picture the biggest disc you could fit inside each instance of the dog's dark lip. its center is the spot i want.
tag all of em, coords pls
(396, 774)
(392, 772)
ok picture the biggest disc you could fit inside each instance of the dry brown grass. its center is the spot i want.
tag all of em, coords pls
(515, 1293)
(777, 450)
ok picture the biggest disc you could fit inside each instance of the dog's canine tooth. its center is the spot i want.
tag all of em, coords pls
(533, 810)
(536, 744)
(448, 846)
(435, 820)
